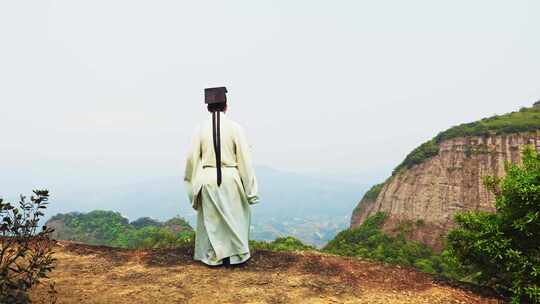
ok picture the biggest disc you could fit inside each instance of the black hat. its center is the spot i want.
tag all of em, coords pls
(215, 95)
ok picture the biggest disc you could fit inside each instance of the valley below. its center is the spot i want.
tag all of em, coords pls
(312, 230)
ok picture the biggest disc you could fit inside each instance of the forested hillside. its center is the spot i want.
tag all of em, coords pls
(110, 228)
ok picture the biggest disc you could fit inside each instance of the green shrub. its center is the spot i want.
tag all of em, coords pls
(370, 242)
(504, 247)
(26, 252)
(155, 237)
(288, 243)
(145, 222)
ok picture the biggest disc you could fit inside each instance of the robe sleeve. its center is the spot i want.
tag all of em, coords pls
(245, 167)
(193, 162)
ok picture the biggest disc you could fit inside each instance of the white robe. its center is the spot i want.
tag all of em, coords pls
(223, 213)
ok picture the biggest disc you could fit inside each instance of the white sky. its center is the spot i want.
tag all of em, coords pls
(116, 86)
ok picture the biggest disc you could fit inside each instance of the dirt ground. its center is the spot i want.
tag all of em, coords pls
(99, 274)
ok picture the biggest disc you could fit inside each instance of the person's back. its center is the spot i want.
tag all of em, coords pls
(228, 138)
(223, 210)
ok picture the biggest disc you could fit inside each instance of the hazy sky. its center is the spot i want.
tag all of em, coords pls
(116, 87)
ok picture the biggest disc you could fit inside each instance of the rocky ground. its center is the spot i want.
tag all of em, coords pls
(99, 274)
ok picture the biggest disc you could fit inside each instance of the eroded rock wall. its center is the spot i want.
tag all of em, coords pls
(431, 193)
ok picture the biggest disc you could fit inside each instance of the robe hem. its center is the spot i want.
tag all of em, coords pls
(220, 262)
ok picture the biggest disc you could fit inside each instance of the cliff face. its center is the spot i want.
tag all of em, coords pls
(365, 207)
(430, 193)
(362, 211)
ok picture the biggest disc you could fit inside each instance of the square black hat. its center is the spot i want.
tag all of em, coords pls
(215, 95)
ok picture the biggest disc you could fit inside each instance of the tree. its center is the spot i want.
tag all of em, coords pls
(287, 243)
(144, 222)
(504, 247)
(26, 255)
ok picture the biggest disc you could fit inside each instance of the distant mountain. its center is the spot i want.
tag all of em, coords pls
(288, 195)
(312, 209)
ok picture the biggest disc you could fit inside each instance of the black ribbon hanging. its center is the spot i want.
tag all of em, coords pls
(217, 144)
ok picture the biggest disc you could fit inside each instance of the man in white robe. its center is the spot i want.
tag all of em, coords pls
(223, 212)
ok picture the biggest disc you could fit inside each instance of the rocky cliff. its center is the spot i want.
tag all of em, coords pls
(447, 177)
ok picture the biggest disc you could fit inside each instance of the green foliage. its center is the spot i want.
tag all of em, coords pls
(288, 243)
(373, 192)
(155, 237)
(97, 227)
(368, 241)
(144, 222)
(26, 255)
(112, 229)
(504, 247)
(526, 120)
(358, 241)
(419, 155)
(177, 224)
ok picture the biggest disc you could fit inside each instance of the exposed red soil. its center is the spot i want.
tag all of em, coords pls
(100, 274)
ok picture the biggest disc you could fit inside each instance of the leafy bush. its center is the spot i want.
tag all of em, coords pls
(144, 222)
(504, 247)
(155, 237)
(526, 120)
(288, 243)
(26, 255)
(369, 241)
(177, 224)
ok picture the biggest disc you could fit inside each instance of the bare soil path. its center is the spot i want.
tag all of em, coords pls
(100, 274)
